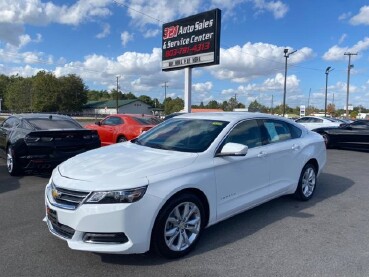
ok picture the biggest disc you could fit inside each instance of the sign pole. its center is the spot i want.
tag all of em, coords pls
(187, 91)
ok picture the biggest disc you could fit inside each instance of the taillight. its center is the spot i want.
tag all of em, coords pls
(30, 139)
(93, 136)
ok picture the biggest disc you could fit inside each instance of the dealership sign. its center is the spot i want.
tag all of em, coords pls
(191, 41)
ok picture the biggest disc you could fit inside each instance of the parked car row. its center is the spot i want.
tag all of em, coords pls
(38, 142)
(339, 133)
(32, 142)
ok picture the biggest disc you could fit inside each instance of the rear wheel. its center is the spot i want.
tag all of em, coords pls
(11, 162)
(121, 139)
(178, 226)
(307, 183)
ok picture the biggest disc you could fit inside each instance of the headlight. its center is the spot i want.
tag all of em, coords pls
(117, 196)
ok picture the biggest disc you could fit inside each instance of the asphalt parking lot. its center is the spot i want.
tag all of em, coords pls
(327, 236)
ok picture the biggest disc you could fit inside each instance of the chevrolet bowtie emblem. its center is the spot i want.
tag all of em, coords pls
(55, 193)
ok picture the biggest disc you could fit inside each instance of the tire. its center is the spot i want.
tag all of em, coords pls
(326, 140)
(307, 183)
(121, 139)
(178, 226)
(11, 162)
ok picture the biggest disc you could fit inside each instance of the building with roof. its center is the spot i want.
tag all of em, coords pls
(131, 106)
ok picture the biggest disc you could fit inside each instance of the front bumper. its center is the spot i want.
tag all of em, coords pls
(134, 221)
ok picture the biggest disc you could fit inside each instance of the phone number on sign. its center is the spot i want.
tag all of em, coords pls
(187, 50)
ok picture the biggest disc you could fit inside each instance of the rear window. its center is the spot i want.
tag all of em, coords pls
(147, 120)
(47, 124)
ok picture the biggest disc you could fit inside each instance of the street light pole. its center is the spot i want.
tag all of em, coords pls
(329, 69)
(116, 98)
(286, 55)
(165, 94)
(348, 80)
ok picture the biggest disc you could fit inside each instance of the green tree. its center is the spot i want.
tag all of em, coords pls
(173, 105)
(72, 94)
(255, 106)
(114, 94)
(45, 91)
(213, 105)
(147, 99)
(129, 95)
(4, 83)
(18, 97)
(98, 95)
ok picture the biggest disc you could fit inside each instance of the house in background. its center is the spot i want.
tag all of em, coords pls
(132, 106)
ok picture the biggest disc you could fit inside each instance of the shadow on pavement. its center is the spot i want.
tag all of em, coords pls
(246, 223)
(7, 182)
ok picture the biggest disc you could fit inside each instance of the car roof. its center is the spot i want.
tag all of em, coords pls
(229, 116)
(41, 115)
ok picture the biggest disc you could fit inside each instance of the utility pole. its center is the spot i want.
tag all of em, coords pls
(309, 99)
(165, 94)
(329, 69)
(271, 110)
(116, 98)
(286, 55)
(348, 80)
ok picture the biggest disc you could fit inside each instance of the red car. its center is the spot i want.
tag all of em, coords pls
(122, 127)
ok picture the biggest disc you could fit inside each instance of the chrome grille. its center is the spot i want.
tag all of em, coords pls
(68, 199)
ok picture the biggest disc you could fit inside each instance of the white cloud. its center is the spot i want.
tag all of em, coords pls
(24, 40)
(202, 87)
(126, 37)
(169, 11)
(342, 38)
(151, 33)
(362, 17)
(105, 31)
(14, 14)
(336, 53)
(242, 64)
(344, 16)
(139, 72)
(278, 8)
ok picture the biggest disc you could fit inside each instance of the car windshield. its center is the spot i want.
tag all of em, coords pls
(47, 124)
(184, 135)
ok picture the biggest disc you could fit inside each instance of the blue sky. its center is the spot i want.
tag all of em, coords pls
(100, 39)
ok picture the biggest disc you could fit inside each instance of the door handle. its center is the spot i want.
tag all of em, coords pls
(262, 154)
(295, 147)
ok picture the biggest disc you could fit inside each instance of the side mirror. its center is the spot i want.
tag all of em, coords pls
(98, 123)
(233, 149)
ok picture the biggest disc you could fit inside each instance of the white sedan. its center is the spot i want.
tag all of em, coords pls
(163, 188)
(314, 122)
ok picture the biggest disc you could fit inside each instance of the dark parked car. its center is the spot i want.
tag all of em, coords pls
(354, 135)
(41, 141)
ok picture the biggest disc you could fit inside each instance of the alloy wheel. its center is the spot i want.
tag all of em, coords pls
(182, 226)
(9, 160)
(308, 182)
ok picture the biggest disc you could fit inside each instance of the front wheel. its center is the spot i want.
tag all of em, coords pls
(11, 162)
(178, 226)
(307, 183)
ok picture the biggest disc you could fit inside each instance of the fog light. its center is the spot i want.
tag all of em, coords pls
(105, 238)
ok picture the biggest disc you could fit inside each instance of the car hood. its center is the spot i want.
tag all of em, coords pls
(119, 166)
